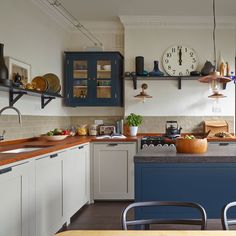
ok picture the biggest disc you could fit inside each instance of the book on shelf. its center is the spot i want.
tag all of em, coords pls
(112, 136)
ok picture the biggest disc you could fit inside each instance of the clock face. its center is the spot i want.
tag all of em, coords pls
(179, 60)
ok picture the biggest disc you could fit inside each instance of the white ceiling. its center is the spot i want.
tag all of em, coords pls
(109, 10)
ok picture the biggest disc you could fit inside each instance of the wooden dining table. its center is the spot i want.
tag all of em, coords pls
(147, 233)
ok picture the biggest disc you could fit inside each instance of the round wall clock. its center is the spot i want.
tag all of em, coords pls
(179, 60)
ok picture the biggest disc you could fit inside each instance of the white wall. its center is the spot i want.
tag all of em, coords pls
(31, 34)
(151, 41)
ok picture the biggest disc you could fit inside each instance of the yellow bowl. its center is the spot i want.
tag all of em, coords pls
(191, 145)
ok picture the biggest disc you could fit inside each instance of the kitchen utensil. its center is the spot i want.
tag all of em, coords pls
(206, 134)
(40, 83)
(172, 129)
(191, 145)
(53, 82)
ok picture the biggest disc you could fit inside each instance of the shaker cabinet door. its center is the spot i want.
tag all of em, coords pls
(113, 170)
(14, 199)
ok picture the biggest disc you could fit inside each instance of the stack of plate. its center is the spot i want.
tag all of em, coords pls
(53, 83)
(48, 83)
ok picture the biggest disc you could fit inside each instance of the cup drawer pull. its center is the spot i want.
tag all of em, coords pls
(3, 171)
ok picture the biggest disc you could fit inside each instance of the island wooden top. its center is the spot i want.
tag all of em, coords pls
(146, 233)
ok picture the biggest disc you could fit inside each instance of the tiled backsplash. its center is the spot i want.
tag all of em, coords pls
(189, 124)
(33, 126)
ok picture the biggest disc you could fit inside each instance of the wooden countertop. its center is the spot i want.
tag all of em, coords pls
(49, 146)
(146, 233)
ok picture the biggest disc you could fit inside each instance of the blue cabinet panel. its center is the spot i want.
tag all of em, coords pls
(210, 184)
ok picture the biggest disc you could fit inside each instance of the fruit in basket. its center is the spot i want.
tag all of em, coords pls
(58, 132)
(189, 137)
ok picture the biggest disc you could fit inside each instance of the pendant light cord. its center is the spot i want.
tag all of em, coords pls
(214, 32)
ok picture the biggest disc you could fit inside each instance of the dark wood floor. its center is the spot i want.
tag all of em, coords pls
(106, 216)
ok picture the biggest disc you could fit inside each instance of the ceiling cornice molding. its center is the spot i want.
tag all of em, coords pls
(196, 22)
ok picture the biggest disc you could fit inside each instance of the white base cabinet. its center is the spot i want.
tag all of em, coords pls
(75, 180)
(49, 193)
(113, 170)
(15, 199)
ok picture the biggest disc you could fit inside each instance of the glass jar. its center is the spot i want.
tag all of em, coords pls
(82, 129)
(93, 130)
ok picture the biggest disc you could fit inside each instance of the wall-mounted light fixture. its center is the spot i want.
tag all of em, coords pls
(215, 80)
(143, 93)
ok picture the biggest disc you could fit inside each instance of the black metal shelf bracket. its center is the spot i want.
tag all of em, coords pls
(179, 83)
(45, 100)
(134, 77)
(12, 98)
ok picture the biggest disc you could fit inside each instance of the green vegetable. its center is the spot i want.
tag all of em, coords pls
(57, 131)
(50, 133)
(134, 120)
(189, 137)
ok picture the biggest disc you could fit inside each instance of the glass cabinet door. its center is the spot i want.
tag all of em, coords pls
(80, 79)
(104, 72)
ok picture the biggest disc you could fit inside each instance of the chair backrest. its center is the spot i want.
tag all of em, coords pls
(226, 222)
(145, 223)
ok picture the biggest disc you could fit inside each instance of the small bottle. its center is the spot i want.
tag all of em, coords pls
(227, 69)
(222, 69)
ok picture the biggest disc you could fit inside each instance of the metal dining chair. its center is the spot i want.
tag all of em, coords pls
(226, 222)
(144, 224)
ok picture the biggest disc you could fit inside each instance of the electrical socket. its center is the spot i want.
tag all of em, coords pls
(98, 122)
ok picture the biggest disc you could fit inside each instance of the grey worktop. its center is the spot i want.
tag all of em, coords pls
(215, 154)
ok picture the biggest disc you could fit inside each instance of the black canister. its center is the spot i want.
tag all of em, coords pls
(139, 65)
(3, 67)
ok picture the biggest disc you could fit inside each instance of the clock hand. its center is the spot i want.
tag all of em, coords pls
(180, 57)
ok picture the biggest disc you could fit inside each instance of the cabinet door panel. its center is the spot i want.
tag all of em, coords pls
(74, 190)
(49, 210)
(14, 198)
(113, 171)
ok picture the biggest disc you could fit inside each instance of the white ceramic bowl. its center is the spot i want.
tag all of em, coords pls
(55, 137)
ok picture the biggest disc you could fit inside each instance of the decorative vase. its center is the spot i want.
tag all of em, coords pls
(3, 67)
(133, 130)
(156, 71)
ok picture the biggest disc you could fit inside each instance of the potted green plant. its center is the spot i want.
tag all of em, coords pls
(133, 122)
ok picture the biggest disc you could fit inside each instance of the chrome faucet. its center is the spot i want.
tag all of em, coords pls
(13, 108)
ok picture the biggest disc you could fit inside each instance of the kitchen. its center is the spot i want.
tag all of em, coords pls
(34, 33)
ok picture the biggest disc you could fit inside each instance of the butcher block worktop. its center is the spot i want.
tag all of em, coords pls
(145, 233)
(49, 146)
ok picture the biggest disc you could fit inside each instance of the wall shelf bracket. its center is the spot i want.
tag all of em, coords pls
(179, 83)
(45, 100)
(12, 98)
(134, 77)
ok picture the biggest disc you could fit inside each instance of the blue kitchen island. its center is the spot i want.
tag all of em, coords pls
(208, 179)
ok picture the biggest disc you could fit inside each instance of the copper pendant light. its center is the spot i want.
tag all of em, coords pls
(215, 79)
(143, 94)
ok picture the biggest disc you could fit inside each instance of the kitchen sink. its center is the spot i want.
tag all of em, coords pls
(24, 149)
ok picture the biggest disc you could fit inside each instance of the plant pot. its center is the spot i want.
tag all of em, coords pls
(133, 130)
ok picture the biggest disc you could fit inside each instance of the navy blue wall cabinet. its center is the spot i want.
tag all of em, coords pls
(93, 79)
(210, 184)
